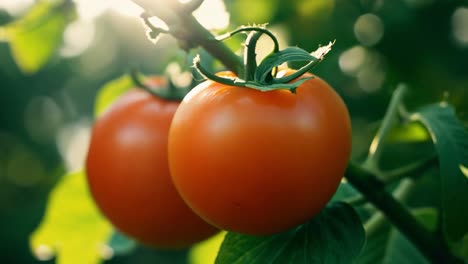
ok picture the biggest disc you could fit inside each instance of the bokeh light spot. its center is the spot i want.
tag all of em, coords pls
(366, 65)
(78, 36)
(352, 60)
(73, 142)
(178, 77)
(460, 25)
(371, 79)
(369, 29)
(42, 118)
(43, 252)
(105, 251)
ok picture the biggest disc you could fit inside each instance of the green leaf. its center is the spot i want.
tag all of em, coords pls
(344, 191)
(72, 227)
(460, 248)
(263, 72)
(273, 60)
(35, 38)
(451, 142)
(387, 245)
(400, 249)
(110, 92)
(205, 252)
(335, 235)
(374, 250)
(408, 133)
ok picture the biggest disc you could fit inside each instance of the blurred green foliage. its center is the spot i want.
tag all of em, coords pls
(48, 88)
(81, 237)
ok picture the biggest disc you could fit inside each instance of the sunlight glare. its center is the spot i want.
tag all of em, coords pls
(90, 9)
(158, 23)
(15, 7)
(212, 14)
(126, 8)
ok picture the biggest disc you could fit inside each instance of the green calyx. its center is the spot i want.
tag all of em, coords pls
(263, 77)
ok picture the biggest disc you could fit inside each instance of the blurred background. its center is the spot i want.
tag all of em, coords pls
(46, 112)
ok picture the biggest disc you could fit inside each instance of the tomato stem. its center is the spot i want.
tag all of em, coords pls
(377, 220)
(209, 75)
(250, 60)
(429, 243)
(170, 93)
(260, 29)
(389, 120)
(186, 28)
(153, 32)
(250, 55)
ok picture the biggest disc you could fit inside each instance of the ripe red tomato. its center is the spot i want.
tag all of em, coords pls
(128, 174)
(259, 162)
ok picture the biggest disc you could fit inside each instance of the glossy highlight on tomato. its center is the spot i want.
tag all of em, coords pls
(259, 162)
(128, 174)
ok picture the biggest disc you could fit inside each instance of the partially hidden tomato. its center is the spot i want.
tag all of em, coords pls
(259, 162)
(128, 175)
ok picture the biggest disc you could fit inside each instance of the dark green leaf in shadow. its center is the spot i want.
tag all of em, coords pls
(451, 141)
(375, 249)
(335, 235)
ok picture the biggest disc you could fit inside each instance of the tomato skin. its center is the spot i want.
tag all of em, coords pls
(259, 162)
(128, 174)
